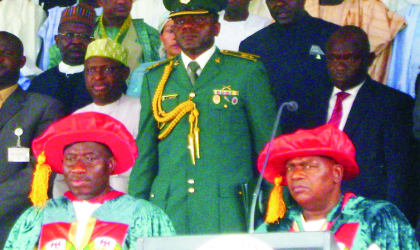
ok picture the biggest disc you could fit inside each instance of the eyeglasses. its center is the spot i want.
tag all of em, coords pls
(71, 36)
(108, 70)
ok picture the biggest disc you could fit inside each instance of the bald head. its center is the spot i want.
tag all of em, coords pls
(348, 57)
(11, 59)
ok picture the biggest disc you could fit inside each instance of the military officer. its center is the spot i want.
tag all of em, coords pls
(205, 116)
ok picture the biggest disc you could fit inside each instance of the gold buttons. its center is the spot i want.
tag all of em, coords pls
(192, 94)
(225, 106)
(191, 190)
(190, 181)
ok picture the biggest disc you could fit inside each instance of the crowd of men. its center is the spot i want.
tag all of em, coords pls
(163, 129)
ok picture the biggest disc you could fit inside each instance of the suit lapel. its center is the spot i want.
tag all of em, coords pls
(12, 105)
(360, 107)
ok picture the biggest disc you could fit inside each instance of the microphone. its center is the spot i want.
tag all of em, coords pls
(292, 106)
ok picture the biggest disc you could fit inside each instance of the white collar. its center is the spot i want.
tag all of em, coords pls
(68, 69)
(352, 91)
(201, 60)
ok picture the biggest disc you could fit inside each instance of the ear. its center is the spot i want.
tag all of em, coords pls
(125, 73)
(216, 29)
(112, 163)
(56, 39)
(370, 58)
(22, 61)
(338, 171)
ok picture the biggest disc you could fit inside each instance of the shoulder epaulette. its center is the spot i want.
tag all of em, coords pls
(159, 63)
(244, 55)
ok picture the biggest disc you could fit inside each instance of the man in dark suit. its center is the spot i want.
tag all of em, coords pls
(377, 119)
(23, 116)
(292, 50)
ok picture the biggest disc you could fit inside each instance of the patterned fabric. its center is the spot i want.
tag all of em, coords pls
(81, 13)
(138, 218)
(358, 223)
(338, 109)
(108, 48)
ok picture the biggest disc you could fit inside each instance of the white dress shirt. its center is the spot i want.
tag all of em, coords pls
(347, 103)
(201, 60)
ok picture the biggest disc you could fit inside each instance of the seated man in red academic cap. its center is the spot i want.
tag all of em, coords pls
(312, 164)
(86, 148)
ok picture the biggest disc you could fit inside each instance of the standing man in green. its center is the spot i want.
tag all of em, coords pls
(205, 116)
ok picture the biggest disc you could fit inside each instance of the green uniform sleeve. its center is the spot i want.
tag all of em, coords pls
(146, 167)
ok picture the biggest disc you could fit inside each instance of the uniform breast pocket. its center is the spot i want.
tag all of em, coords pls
(229, 114)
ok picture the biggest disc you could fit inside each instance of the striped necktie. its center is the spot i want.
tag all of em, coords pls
(338, 109)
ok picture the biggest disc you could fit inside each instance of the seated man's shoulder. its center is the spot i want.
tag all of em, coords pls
(41, 100)
(374, 210)
(44, 80)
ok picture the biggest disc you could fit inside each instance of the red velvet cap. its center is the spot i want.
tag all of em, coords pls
(89, 126)
(326, 140)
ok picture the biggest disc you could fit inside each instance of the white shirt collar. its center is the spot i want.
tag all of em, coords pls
(68, 69)
(201, 60)
(352, 91)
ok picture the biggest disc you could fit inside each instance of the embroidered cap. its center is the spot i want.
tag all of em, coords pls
(194, 7)
(82, 127)
(108, 48)
(81, 13)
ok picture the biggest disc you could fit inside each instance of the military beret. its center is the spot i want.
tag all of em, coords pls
(194, 7)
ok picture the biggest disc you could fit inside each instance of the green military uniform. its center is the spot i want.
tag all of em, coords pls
(147, 38)
(236, 115)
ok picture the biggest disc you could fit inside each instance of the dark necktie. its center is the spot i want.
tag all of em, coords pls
(338, 109)
(193, 66)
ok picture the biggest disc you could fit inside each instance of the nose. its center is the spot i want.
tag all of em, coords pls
(76, 40)
(296, 174)
(79, 167)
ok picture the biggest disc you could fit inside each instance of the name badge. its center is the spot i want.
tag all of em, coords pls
(18, 153)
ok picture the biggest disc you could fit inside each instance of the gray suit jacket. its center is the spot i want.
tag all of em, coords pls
(33, 113)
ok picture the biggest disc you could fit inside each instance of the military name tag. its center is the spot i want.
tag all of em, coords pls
(169, 97)
(18, 154)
